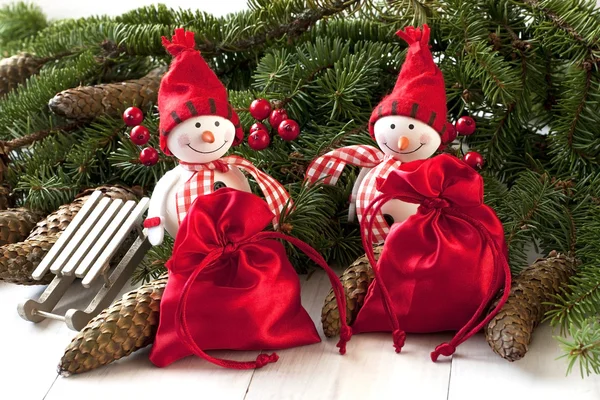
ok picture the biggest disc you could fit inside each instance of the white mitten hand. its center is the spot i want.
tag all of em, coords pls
(156, 235)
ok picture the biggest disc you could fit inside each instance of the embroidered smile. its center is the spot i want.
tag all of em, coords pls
(207, 152)
(408, 152)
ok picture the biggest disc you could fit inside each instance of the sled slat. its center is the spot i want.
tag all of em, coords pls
(79, 236)
(96, 231)
(116, 241)
(101, 243)
(68, 233)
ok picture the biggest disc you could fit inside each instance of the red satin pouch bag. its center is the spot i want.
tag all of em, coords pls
(231, 285)
(440, 269)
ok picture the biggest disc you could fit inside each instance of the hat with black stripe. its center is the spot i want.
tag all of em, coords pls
(419, 91)
(190, 88)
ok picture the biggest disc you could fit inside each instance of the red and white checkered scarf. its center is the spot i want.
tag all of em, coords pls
(203, 180)
(331, 165)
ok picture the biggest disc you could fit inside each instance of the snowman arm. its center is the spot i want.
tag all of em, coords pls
(361, 176)
(158, 200)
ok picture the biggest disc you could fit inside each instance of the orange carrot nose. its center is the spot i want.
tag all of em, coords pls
(403, 142)
(208, 137)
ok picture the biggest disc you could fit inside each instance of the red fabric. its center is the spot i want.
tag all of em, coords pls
(231, 286)
(152, 222)
(419, 92)
(190, 88)
(439, 269)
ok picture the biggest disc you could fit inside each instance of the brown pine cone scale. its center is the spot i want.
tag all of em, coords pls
(126, 326)
(111, 99)
(355, 281)
(16, 69)
(510, 332)
(16, 224)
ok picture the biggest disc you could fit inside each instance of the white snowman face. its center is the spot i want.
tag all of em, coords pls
(406, 139)
(201, 139)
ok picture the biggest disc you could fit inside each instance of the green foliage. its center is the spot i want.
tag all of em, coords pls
(583, 348)
(25, 109)
(19, 21)
(527, 71)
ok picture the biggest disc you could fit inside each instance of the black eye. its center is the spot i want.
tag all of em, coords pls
(392, 126)
(411, 126)
(217, 123)
(197, 124)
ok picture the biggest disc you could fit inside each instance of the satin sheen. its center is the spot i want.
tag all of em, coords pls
(437, 267)
(247, 300)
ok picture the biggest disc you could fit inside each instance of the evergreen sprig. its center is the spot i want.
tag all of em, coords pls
(19, 21)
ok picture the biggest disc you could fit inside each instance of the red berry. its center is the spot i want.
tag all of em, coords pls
(449, 134)
(259, 140)
(277, 117)
(258, 126)
(139, 135)
(474, 160)
(260, 109)
(149, 156)
(288, 129)
(465, 126)
(133, 116)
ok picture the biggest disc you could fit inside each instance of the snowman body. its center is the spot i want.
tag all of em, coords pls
(234, 178)
(402, 139)
(394, 211)
(197, 140)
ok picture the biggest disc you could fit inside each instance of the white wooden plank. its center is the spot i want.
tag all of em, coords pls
(64, 238)
(478, 373)
(369, 370)
(92, 237)
(117, 240)
(79, 235)
(136, 377)
(104, 239)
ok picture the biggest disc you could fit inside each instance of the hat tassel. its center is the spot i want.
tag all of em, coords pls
(182, 40)
(415, 35)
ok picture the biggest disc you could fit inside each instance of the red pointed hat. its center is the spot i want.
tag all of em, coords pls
(419, 92)
(190, 88)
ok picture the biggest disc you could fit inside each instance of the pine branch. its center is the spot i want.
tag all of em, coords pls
(10, 145)
(20, 20)
(583, 348)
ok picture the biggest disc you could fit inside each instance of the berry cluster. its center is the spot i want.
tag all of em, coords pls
(140, 135)
(464, 126)
(259, 137)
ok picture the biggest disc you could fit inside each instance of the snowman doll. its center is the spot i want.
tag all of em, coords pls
(409, 124)
(198, 126)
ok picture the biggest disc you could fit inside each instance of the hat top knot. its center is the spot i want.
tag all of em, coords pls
(181, 41)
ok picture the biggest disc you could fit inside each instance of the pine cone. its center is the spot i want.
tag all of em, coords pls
(355, 280)
(510, 331)
(16, 223)
(124, 327)
(4, 197)
(88, 102)
(16, 69)
(19, 260)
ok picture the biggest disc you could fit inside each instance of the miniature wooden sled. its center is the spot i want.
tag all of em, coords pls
(84, 251)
